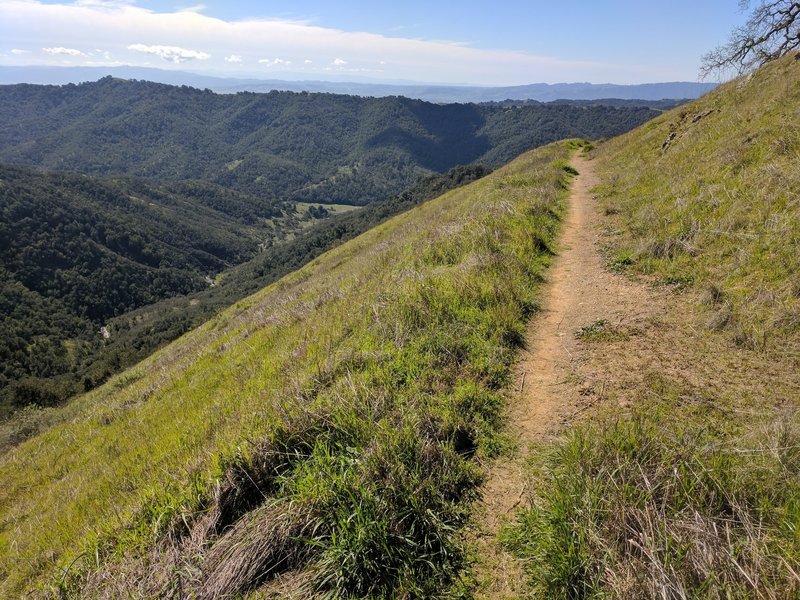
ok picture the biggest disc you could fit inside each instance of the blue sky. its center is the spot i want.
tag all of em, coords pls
(486, 43)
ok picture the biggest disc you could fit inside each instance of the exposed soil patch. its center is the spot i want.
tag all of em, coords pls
(554, 383)
(604, 339)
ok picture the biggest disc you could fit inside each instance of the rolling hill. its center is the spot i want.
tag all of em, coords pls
(541, 92)
(352, 393)
(158, 209)
(280, 146)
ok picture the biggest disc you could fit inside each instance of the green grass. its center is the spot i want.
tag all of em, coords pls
(706, 196)
(690, 487)
(302, 207)
(327, 423)
(652, 505)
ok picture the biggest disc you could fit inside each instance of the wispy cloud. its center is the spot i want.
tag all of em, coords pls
(277, 62)
(65, 51)
(130, 32)
(173, 54)
(233, 58)
(104, 4)
(195, 9)
(18, 51)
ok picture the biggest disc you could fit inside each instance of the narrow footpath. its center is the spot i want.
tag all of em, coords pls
(552, 384)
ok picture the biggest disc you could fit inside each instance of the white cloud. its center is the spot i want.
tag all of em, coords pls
(233, 58)
(173, 54)
(112, 4)
(305, 62)
(278, 62)
(130, 32)
(17, 51)
(62, 50)
(195, 9)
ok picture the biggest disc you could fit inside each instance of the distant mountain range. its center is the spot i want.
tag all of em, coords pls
(278, 146)
(542, 92)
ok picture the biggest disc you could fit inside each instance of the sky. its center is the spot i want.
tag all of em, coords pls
(453, 42)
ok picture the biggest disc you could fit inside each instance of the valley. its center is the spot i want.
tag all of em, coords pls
(212, 224)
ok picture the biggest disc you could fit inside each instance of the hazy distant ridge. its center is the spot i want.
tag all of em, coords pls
(542, 92)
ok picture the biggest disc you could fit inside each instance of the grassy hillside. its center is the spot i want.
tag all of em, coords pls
(280, 145)
(707, 196)
(327, 425)
(686, 483)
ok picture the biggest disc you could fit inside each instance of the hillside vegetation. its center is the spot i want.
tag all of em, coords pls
(707, 195)
(77, 251)
(281, 145)
(686, 483)
(328, 425)
(54, 348)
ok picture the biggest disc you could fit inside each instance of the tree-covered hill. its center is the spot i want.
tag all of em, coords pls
(280, 145)
(78, 250)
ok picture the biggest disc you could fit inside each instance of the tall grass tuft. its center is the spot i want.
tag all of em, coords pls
(651, 506)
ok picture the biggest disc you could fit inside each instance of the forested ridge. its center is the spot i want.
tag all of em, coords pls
(77, 251)
(313, 147)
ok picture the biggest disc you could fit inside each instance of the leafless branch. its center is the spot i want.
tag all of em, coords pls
(771, 31)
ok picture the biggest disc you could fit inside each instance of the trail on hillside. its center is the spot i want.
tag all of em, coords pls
(550, 387)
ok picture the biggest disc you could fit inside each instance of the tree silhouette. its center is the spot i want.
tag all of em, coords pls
(772, 31)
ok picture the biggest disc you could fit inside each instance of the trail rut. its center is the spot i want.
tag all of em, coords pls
(550, 386)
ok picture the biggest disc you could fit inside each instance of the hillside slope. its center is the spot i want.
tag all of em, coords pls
(677, 476)
(707, 195)
(280, 145)
(77, 251)
(326, 425)
(53, 351)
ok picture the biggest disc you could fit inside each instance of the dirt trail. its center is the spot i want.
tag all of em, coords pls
(551, 385)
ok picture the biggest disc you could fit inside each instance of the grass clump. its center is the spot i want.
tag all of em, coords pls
(600, 331)
(651, 506)
(326, 425)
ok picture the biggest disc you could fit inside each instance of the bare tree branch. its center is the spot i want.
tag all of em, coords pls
(772, 30)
